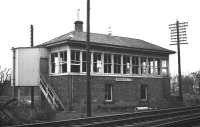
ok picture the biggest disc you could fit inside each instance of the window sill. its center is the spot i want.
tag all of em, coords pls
(108, 102)
(112, 75)
(143, 100)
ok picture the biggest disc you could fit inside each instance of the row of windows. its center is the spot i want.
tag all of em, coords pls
(107, 63)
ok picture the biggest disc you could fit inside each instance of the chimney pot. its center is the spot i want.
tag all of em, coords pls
(78, 26)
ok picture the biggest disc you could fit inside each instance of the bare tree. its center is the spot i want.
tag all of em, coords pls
(4, 75)
(196, 76)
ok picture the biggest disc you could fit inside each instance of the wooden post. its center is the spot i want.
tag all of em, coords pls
(14, 69)
(32, 87)
(88, 61)
(179, 62)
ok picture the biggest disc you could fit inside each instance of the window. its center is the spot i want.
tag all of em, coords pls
(117, 64)
(97, 62)
(157, 66)
(144, 65)
(108, 92)
(84, 62)
(107, 63)
(135, 64)
(75, 61)
(151, 65)
(126, 64)
(54, 63)
(143, 92)
(63, 61)
(164, 67)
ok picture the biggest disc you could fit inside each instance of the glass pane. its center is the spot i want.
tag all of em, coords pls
(53, 68)
(143, 65)
(117, 63)
(97, 63)
(126, 64)
(64, 67)
(84, 56)
(164, 63)
(143, 92)
(151, 62)
(75, 68)
(108, 92)
(84, 66)
(65, 55)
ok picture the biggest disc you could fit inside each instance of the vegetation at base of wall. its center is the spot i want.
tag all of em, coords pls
(115, 107)
(24, 114)
(191, 99)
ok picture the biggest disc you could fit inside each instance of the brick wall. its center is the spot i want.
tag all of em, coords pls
(72, 90)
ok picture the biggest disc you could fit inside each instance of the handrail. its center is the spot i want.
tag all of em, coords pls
(50, 94)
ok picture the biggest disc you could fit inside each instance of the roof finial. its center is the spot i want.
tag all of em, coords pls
(109, 30)
(78, 14)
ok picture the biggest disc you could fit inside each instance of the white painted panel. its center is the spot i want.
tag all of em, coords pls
(28, 66)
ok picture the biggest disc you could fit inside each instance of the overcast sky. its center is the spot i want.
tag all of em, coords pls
(142, 19)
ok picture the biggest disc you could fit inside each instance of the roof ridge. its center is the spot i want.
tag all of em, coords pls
(100, 38)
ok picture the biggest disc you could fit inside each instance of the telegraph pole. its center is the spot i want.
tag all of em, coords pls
(178, 35)
(32, 87)
(88, 61)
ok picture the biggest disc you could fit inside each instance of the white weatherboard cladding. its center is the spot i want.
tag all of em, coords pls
(28, 66)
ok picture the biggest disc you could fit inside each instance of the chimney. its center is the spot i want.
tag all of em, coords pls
(78, 26)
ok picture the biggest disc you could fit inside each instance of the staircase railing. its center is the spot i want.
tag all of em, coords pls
(50, 94)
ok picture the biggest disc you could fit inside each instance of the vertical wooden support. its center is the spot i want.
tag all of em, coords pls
(112, 63)
(102, 62)
(139, 64)
(179, 62)
(32, 97)
(89, 114)
(13, 73)
(32, 87)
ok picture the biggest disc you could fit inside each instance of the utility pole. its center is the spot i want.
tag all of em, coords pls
(178, 35)
(88, 62)
(32, 87)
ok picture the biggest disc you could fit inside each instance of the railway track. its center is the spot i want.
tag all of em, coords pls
(155, 118)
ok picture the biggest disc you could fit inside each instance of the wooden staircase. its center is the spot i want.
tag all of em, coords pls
(50, 95)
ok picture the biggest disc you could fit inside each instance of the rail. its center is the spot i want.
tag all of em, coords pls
(146, 118)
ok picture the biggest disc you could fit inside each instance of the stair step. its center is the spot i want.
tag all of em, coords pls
(50, 95)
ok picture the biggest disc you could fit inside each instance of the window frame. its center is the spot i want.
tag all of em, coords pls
(84, 62)
(135, 65)
(125, 68)
(53, 62)
(107, 63)
(117, 63)
(144, 88)
(143, 68)
(63, 61)
(108, 92)
(157, 66)
(164, 67)
(151, 66)
(97, 62)
(77, 62)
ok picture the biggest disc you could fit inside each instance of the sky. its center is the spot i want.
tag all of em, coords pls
(142, 19)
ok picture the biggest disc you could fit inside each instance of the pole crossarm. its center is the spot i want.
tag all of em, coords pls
(176, 43)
